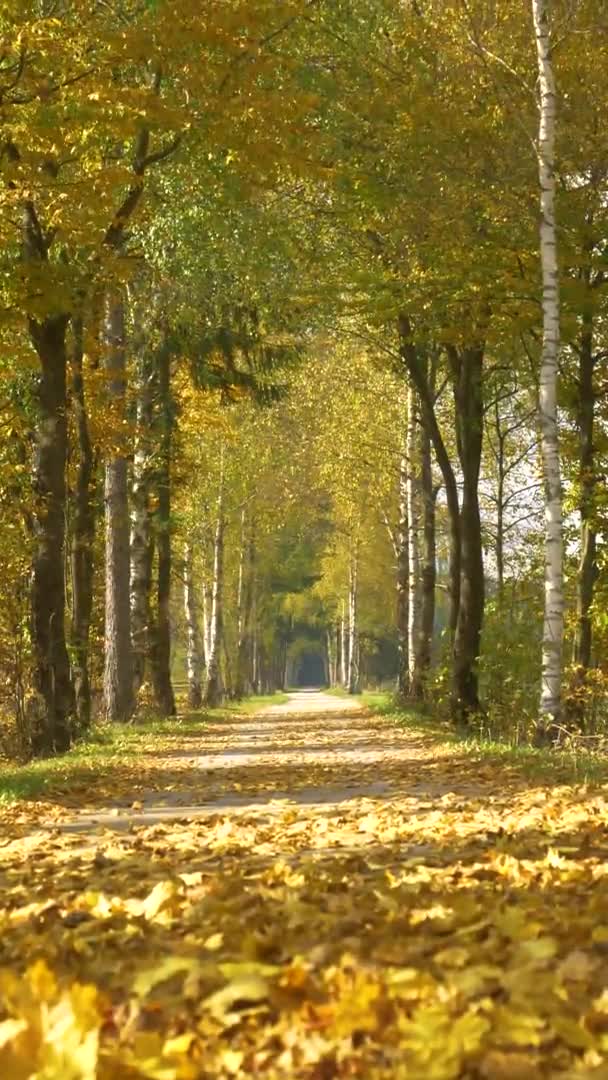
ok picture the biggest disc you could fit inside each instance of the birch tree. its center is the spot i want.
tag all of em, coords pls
(194, 658)
(413, 526)
(553, 626)
(213, 689)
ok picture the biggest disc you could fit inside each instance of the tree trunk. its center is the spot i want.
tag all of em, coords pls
(330, 657)
(466, 365)
(52, 678)
(413, 526)
(118, 671)
(500, 504)
(418, 372)
(553, 627)
(83, 536)
(142, 544)
(587, 571)
(353, 654)
(160, 654)
(344, 655)
(428, 573)
(213, 689)
(207, 608)
(245, 608)
(403, 563)
(194, 660)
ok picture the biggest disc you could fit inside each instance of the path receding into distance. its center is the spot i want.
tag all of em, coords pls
(314, 750)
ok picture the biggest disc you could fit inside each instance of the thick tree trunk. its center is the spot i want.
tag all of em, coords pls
(467, 365)
(52, 679)
(118, 671)
(160, 654)
(353, 635)
(417, 370)
(553, 628)
(142, 544)
(413, 523)
(194, 659)
(587, 569)
(213, 689)
(83, 536)
(428, 575)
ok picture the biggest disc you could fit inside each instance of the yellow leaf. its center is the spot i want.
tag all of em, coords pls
(232, 1060)
(179, 1045)
(214, 942)
(9, 1029)
(151, 977)
(243, 990)
(161, 896)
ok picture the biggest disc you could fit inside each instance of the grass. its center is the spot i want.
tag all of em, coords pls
(566, 765)
(260, 701)
(106, 744)
(103, 745)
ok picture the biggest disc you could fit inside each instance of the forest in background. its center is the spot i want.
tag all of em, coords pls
(273, 330)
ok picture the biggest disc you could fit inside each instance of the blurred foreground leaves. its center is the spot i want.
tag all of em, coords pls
(457, 927)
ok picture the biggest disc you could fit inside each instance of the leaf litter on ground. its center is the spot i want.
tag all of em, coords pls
(455, 926)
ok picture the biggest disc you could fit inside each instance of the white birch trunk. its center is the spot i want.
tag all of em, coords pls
(343, 648)
(553, 629)
(413, 546)
(353, 655)
(194, 661)
(331, 656)
(141, 524)
(207, 607)
(402, 581)
(213, 689)
(240, 625)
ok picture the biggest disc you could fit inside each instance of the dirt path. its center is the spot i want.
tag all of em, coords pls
(314, 750)
(309, 893)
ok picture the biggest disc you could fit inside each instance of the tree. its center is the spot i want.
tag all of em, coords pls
(553, 632)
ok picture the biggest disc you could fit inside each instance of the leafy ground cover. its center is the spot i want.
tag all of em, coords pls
(328, 895)
(110, 746)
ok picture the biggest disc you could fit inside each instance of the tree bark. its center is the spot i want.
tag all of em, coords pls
(418, 372)
(466, 366)
(330, 657)
(118, 671)
(83, 536)
(213, 689)
(403, 564)
(52, 679)
(244, 676)
(500, 503)
(428, 575)
(413, 524)
(353, 654)
(553, 625)
(160, 653)
(587, 571)
(194, 660)
(344, 655)
(142, 543)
